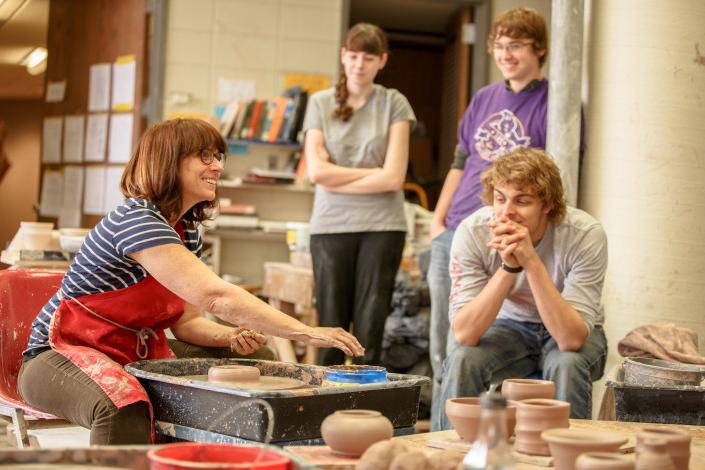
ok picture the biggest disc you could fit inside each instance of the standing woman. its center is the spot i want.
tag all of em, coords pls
(137, 273)
(357, 150)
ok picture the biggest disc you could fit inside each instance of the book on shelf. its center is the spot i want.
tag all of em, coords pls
(238, 209)
(278, 120)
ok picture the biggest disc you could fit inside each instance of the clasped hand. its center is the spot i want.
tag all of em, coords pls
(512, 240)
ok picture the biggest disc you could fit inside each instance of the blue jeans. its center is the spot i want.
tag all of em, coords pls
(439, 290)
(515, 349)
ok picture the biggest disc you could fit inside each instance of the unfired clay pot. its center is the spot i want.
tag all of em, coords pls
(534, 416)
(233, 373)
(604, 461)
(652, 455)
(464, 415)
(677, 443)
(566, 444)
(521, 389)
(351, 432)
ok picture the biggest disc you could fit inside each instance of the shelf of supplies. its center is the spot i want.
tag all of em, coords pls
(247, 234)
(237, 183)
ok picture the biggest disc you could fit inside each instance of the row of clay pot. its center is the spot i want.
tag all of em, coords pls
(527, 418)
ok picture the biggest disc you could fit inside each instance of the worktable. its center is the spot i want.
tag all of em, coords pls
(324, 460)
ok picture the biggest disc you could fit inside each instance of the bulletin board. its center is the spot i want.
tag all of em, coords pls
(95, 82)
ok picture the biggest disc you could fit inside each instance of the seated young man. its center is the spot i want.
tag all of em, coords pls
(527, 275)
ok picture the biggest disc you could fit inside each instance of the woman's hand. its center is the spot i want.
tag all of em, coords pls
(325, 337)
(244, 341)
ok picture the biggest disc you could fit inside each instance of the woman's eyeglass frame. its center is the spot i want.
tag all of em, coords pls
(207, 156)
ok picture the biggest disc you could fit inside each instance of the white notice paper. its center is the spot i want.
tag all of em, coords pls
(94, 194)
(55, 92)
(51, 139)
(96, 137)
(120, 144)
(52, 187)
(113, 196)
(99, 87)
(124, 72)
(73, 138)
(233, 90)
(70, 213)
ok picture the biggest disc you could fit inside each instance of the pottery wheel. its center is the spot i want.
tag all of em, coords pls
(265, 382)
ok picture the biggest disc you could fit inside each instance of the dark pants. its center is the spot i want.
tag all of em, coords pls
(53, 384)
(354, 275)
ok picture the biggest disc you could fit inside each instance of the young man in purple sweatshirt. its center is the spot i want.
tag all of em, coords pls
(500, 118)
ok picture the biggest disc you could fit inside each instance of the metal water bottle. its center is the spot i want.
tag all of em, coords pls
(491, 450)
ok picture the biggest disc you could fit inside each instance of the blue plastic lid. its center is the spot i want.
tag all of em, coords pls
(356, 374)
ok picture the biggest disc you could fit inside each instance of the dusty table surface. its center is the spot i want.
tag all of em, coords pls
(322, 458)
(697, 447)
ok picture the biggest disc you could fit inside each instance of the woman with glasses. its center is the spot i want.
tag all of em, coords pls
(357, 149)
(137, 273)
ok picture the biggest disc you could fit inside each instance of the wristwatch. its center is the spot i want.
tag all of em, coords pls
(511, 269)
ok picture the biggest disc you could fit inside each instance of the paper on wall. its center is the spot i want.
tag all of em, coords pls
(73, 138)
(94, 190)
(96, 137)
(113, 196)
(51, 139)
(70, 213)
(234, 90)
(120, 143)
(124, 73)
(99, 87)
(50, 199)
(55, 92)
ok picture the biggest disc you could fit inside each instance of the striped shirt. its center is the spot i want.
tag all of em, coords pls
(102, 264)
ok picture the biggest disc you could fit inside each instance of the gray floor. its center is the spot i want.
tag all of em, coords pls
(51, 435)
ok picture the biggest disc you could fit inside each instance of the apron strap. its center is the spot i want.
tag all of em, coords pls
(143, 334)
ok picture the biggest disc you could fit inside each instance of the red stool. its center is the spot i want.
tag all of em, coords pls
(22, 295)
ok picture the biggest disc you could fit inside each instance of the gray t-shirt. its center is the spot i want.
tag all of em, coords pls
(360, 143)
(574, 253)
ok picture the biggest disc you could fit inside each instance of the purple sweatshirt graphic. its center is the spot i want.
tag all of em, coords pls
(496, 122)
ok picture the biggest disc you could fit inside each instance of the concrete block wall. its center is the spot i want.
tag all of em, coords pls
(258, 40)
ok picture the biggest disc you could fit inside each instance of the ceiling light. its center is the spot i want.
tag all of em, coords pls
(35, 61)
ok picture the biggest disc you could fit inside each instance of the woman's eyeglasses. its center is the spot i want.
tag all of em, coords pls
(207, 156)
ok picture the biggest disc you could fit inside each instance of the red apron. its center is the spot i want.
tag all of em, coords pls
(100, 333)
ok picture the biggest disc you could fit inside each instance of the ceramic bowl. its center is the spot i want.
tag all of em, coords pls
(464, 415)
(352, 432)
(567, 444)
(233, 373)
(521, 389)
(534, 416)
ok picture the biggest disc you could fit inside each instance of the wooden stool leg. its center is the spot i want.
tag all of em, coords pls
(20, 428)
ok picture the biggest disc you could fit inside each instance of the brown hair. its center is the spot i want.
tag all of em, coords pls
(521, 23)
(363, 37)
(153, 171)
(528, 168)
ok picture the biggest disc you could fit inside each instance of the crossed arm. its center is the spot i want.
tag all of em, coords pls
(347, 180)
(513, 243)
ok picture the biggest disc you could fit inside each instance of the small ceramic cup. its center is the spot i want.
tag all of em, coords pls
(521, 389)
(677, 443)
(534, 416)
(464, 415)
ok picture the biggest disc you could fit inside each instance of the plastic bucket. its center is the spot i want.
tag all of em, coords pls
(204, 456)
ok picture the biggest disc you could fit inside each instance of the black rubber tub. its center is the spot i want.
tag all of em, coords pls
(290, 415)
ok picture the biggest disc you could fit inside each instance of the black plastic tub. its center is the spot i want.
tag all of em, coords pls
(296, 414)
(677, 404)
